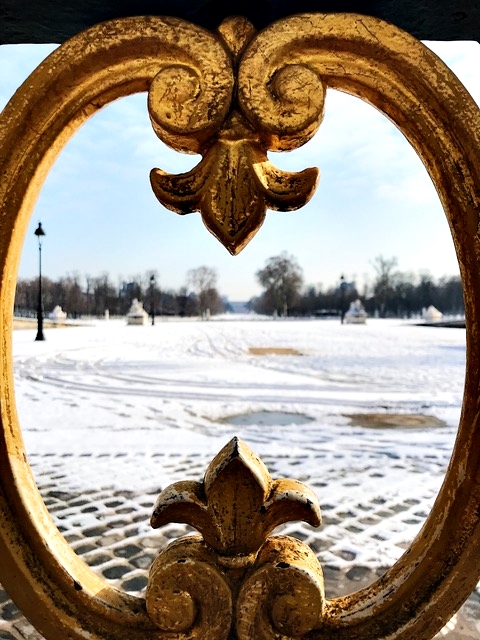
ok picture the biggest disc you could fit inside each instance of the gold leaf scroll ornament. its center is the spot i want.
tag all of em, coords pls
(235, 182)
(234, 574)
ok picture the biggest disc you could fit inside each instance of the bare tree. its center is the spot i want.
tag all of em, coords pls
(104, 295)
(74, 298)
(203, 281)
(384, 283)
(282, 280)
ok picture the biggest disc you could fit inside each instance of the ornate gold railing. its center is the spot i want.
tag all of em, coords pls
(231, 96)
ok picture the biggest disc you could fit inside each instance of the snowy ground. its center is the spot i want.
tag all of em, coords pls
(122, 403)
(110, 406)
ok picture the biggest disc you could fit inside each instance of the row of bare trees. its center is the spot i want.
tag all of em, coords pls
(80, 296)
(393, 293)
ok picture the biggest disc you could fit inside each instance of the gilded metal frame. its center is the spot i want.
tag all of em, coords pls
(359, 55)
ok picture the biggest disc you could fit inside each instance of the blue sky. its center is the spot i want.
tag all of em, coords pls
(374, 197)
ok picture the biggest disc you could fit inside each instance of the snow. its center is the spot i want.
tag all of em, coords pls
(138, 407)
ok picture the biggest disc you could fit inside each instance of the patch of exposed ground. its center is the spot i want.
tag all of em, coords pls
(394, 420)
(273, 351)
(32, 324)
(268, 418)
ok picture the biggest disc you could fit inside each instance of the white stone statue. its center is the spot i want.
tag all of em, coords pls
(57, 315)
(356, 314)
(137, 314)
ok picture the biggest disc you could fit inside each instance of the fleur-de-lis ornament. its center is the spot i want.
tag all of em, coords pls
(235, 183)
(238, 504)
(210, 579)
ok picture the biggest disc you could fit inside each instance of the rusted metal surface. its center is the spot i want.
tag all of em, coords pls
(281, 76)
(235, 574)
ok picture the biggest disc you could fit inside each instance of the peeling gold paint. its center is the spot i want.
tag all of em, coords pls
(231, 95)
(235, 509)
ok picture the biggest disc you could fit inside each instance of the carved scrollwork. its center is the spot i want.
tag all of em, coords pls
(276, 581)
(283, 593)
(188, 594)
(235, 182)
(289, 108)
(187, 106)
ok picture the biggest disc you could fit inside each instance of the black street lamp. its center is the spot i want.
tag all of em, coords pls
(39, 232)
(343, 288)
(152, 299)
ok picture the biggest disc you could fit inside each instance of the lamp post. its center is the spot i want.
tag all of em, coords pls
(343, 287)
(39, 232)
(152, 299)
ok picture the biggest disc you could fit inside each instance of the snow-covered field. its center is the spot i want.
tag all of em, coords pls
(129, 407)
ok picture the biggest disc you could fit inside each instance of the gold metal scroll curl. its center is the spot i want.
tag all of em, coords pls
(359, 55)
